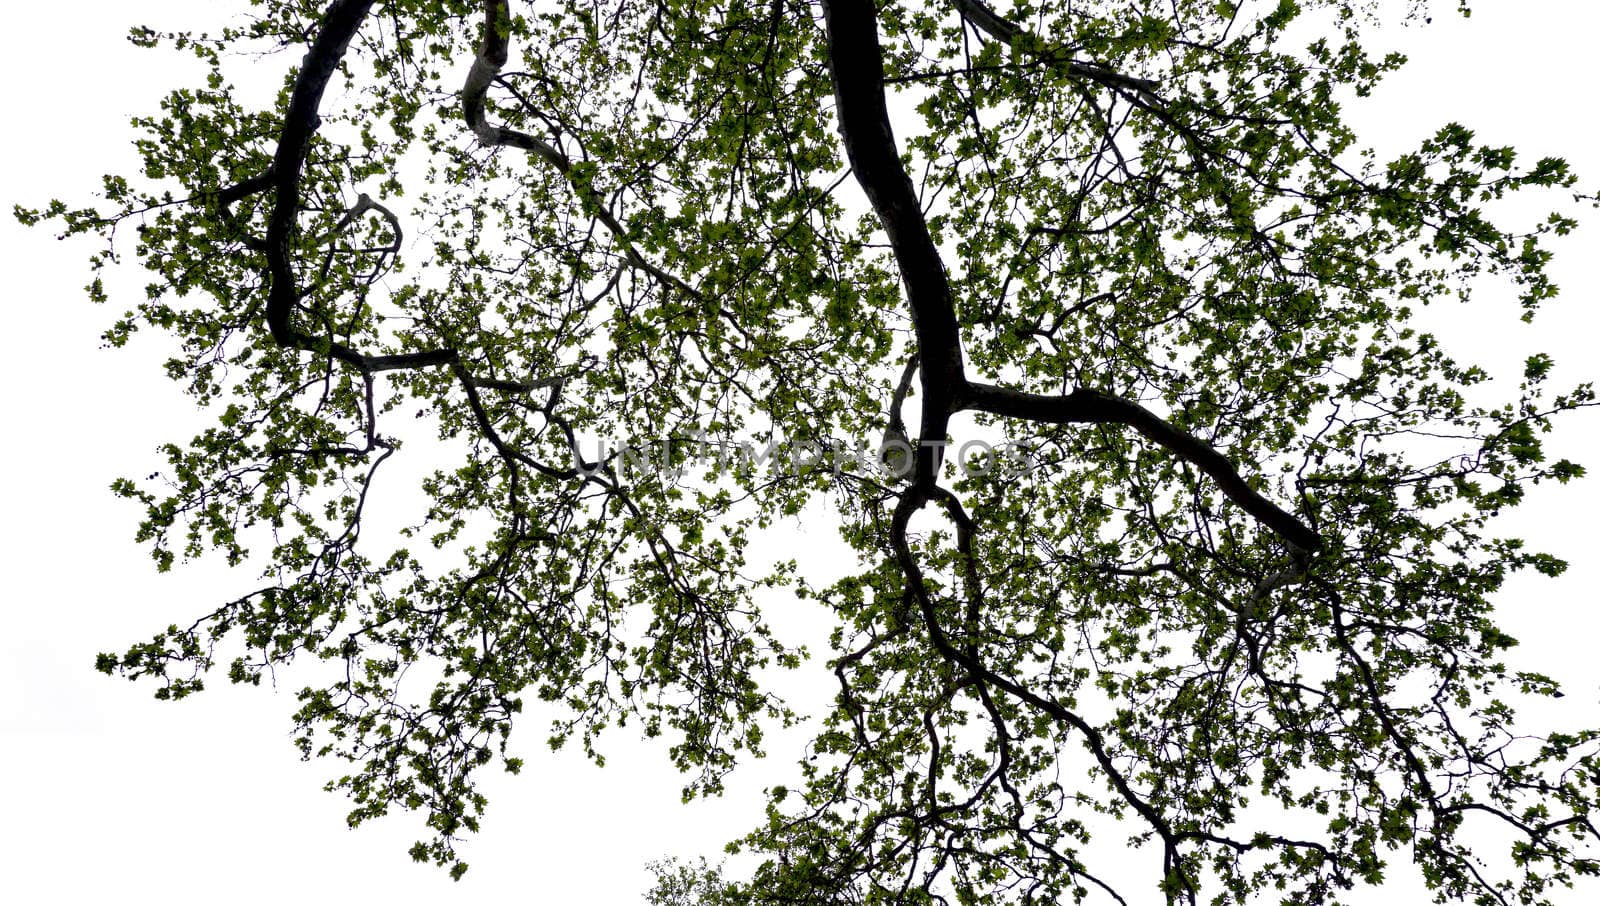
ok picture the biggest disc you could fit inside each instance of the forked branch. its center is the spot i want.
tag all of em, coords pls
(855, 57)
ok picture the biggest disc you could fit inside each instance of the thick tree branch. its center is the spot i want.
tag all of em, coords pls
(339, 25)
(1085, 406)
(245, 188)
(855, 59)
(237, 192)
(492, 56)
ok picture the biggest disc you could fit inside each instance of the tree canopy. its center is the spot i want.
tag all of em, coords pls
(1218, 579)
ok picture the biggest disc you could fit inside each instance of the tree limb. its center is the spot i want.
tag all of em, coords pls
(985, 19)
(492, 56)
(855, 59)
(1085, 406)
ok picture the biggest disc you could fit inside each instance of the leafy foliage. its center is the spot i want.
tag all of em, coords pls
(1242, 599)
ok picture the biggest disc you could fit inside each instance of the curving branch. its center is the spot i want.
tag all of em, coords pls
(339, 25)
(896, 422)
(896, 452)
(364, 204)
(855, 59)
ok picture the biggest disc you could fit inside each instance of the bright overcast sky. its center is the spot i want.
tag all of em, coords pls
(107, 794)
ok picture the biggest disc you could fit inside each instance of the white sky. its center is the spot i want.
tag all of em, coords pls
(108, 794)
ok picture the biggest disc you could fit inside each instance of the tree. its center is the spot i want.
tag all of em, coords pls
(1232, 581)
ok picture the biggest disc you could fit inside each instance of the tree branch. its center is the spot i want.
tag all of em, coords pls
(855, 59)
(1085, 406)
(492, 56)
(339, 25)
(996, 26)
(968, 659)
